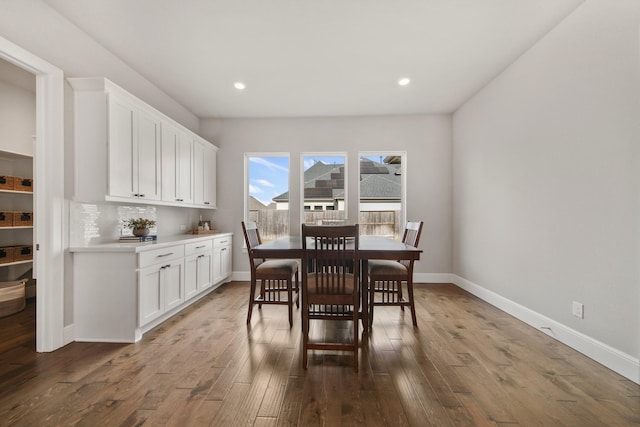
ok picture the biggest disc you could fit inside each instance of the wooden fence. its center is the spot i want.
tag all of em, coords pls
(274, 223)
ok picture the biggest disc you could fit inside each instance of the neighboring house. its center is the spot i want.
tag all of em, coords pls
(380, 186)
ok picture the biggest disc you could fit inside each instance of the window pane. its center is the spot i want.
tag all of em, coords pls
(324, 189)
(381, 193)
(268, 195)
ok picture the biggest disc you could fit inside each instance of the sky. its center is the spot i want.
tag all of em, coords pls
(269, 176)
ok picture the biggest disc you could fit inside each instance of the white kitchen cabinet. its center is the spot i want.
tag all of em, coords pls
(133, 150)
(198, 267)
(204, 173)
(177, 162)
(161, 285)
(222, 260)
(127, 151)
(123, 290)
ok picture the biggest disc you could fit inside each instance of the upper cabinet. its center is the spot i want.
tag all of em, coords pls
(204, 173)
(177, 165)
(127, 151)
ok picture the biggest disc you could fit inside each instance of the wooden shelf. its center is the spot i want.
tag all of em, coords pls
(16, 228)
(6, 264)
(17, 192)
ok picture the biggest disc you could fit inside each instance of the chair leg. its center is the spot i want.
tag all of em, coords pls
(372, 297)
(262, 294)
(356, 331)
(399, 287)
(411, 301)
(252, 292)
(297, 291)
(305, 334)
(290, 301)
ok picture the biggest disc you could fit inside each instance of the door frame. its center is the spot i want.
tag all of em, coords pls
(48, 198)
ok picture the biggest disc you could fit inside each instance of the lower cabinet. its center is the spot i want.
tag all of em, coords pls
(120, 294)
(198, 268)
(222, 249)
(160, 289)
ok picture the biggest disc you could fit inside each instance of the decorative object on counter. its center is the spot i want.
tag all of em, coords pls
(200, 224)
(204, 231)
(138, 239)
(12, 297)
(140, 226)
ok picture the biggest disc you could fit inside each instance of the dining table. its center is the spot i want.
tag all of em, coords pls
(369, 248)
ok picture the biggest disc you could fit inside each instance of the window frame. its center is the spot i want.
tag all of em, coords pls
(247, 156)
(403, 173)
(343, 154)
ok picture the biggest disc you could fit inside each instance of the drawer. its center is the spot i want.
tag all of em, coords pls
(219, 242)
(155, 256)
(198, 247)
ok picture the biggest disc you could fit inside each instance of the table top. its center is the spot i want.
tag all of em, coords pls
(370, 247)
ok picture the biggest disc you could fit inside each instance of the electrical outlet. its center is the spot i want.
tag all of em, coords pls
(578, 310)
(183, 227)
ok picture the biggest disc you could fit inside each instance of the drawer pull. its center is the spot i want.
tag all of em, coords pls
(164, 255)
(200, 247)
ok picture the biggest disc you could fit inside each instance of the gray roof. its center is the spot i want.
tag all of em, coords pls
(378, 181)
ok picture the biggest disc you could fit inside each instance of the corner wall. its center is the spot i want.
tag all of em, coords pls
(547, 184)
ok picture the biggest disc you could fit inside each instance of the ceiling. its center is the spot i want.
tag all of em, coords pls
(302, 58)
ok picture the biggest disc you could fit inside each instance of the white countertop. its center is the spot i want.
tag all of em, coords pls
(145, 246)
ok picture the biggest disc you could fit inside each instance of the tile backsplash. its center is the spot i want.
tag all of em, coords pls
(92, 223)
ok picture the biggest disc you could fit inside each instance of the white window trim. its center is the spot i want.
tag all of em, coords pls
(346, 179)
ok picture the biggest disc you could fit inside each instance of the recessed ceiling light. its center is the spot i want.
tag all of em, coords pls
(239, 85)
(404, 81)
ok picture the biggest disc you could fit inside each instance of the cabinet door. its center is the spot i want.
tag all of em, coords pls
(150, 297)
(173, 284)
(148, 156)
(184, 161)
(205, 271)
(204, 174)
(169, 175)
(177, 158)
(191, 276)
(225, 262)
(121, 148)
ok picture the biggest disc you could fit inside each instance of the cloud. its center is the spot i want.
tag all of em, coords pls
(254, 190)
(265, 183)
(267, 163)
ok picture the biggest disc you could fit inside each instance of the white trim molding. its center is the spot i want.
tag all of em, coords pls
(616, 360)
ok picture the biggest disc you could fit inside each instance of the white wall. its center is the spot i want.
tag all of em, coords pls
(547, 178)
(426, 138)
(17, 117)
(36, 27)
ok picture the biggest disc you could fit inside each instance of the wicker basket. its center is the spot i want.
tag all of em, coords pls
(6, 182)
(23, 184)
(22, 253)
(12, 297)
(22, 219)
(6, 219)
(6, 254)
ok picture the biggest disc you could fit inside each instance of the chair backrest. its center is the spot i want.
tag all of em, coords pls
(252, 239)
(330, 256)
(411, 236)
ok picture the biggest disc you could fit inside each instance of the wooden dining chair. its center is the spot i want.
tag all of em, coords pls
(275, 276)
(330, 280)
(385, 277)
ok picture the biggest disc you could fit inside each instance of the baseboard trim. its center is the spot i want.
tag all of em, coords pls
(68, 334)
(616, 360)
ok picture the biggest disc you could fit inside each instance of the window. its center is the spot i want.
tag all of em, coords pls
(267, 193)
(382, 194)
(324, 195)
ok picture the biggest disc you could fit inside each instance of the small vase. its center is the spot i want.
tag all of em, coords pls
(140, 232)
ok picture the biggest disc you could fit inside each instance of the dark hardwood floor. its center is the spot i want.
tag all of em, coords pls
(467, 364)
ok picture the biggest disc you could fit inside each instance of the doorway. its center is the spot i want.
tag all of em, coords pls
(49, 225)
